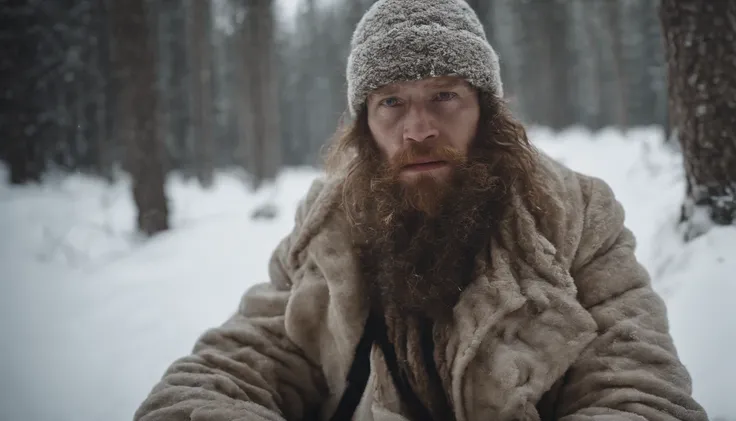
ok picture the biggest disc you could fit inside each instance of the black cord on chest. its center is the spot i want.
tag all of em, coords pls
(357, 379)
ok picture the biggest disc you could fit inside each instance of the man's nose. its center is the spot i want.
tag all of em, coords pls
(419, 126)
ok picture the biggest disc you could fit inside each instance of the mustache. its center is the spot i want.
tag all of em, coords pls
(416, 151)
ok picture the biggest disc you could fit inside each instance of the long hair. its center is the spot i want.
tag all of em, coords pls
(353, 154)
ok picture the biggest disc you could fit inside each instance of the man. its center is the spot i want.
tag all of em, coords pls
(443, 270)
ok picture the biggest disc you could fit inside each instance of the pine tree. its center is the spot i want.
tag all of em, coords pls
(138, 112)
(259, 109)
(20, 125)
(701, 61)
(202, 112)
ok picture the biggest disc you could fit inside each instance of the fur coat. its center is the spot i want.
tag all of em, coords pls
(560, 323)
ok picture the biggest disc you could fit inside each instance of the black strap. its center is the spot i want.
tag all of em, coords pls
(358, 374)
(357, 379)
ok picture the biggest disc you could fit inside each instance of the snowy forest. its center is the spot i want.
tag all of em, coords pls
(228, 83)
(153, 154)
(152, 86)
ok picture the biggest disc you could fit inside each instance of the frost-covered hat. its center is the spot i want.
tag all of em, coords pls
(400, 40)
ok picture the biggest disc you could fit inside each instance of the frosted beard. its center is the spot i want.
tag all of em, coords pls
(418, 240)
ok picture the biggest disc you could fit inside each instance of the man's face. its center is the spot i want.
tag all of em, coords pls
(424, 128)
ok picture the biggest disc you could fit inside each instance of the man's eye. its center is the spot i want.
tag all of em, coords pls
(390, 102)
(445, 96)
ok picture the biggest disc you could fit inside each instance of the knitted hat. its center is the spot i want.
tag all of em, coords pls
(401, 40)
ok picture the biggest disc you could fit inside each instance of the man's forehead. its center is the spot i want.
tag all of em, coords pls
(432, 82)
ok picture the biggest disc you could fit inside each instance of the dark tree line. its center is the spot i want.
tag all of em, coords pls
(56, 108)
(226, 72)
(151, 86)
(21, 116)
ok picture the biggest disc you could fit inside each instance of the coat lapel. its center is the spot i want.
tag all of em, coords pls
(517, 327)
(326, 281)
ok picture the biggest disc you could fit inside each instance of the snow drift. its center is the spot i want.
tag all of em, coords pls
(92, 315)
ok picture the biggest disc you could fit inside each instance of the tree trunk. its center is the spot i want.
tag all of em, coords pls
(261, 122)
(19, 106)
(612, 11)
(244, 96)
(176, 73)
(104, 94)
(199, 26)
(701, 62)
(139, 130)
(557, 56)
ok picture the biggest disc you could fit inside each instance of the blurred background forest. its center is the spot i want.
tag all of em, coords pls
(120, 119)
(241, 83)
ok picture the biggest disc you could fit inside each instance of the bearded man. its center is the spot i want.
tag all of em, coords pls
(444, 269)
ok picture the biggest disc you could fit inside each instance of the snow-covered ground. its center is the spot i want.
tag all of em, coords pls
(90, 315)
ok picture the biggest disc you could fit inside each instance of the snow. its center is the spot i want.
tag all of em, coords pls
(702, 275)
(92, 315)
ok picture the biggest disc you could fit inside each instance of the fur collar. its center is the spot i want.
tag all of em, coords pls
(516, 328)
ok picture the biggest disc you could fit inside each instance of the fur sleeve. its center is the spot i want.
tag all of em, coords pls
(247, 368)
(631, 371)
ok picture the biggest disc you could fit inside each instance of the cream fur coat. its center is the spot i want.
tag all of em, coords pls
(560, 323)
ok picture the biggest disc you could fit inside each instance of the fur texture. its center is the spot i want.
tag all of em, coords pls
(418, 244)
(400, 40)
(559, 323)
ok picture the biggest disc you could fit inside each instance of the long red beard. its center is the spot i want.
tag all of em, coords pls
(418, 245)
(419, 241)
(424, 194)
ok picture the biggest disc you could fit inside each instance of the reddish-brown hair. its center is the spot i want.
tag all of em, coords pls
(501, 139)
